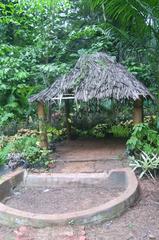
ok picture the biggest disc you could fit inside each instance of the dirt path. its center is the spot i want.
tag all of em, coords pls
(88, 149)
(89, 155)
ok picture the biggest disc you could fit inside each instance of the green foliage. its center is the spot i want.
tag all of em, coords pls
(28, 147)
(102, 130)
(150, 120)
(23, 143)
(126, 13)
(55, 134)
(36, 157)
(147, 164)
(120, 131)
(142, 70)
(99, 131)
(143, 139)
(5, 117)
(143, 147)
(41, 40)
(4, 152)
(135, 24)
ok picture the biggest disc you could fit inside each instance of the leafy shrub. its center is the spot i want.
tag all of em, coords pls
(5, 117)
(99, 130)
(143, 146)
(120, 131)
(143, 139)
(36, 157)
(82, 133)
(27, 146)
(55, 134)
(4, 152)
(151, 120)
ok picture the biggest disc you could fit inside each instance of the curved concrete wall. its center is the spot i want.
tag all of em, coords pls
(114, 208)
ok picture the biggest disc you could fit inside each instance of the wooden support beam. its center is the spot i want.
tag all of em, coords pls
(42, 127)
(67, 114)
(138, 111)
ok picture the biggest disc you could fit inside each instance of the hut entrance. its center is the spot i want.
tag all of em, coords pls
(95, 76)
(93, 118)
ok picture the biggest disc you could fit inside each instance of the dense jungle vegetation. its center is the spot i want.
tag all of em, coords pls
(41, 40)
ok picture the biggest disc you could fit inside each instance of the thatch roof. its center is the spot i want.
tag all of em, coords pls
(95, 76)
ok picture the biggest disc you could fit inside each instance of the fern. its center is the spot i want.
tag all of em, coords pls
(5, 151)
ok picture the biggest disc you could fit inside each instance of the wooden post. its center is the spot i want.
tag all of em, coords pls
(138, 111)
(42, 128)
(67, 114)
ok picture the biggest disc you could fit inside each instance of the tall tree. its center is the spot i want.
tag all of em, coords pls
(136, 22)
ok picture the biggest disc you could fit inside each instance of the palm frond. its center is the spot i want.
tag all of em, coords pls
(139, 16)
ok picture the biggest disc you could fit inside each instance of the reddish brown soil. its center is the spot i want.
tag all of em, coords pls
(90, 149)
(61, 200)
(88, 166)
(89, 155)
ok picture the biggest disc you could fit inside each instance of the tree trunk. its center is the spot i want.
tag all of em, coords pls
(138, 111)
(42, 127)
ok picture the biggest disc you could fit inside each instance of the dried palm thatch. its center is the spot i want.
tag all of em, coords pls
(95, 76)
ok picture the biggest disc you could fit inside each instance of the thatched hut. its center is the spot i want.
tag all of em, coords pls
(95, 76)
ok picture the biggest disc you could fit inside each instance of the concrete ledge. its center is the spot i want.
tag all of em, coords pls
(114, 208)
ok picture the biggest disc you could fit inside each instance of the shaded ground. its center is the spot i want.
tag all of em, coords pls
(61, 200)
(141, 222)
(89, 155)
(90, 149)
(88, 166)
